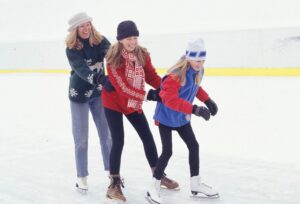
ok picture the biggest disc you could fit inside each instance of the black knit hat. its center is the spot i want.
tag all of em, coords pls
(127, 29)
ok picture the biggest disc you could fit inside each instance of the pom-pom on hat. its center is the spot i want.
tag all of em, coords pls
(126, 29)
(195, 50)
(77, 20)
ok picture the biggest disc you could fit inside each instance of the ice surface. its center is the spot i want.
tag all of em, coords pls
(249, 151)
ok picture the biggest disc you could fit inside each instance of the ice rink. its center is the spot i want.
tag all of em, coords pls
(249, 151)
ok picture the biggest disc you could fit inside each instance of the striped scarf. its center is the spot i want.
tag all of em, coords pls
(135, 76)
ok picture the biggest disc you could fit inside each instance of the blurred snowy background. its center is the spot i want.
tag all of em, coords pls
(237, 33)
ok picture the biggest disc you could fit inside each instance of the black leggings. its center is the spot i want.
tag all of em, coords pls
(187, 134)
(140, 124)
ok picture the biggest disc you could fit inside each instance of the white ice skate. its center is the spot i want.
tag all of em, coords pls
(81, 184)
(153, 193)
(201, 190)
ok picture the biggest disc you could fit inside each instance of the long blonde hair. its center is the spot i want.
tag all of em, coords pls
(73, 41)
(179, 70)
(114, 58)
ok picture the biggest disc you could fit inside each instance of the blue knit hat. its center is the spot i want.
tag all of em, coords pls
(126, 29)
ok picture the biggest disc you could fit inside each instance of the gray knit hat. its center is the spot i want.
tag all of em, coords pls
(77, 20)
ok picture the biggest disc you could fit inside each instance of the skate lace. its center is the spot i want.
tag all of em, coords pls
(166, 179)
(204, 184)
(117, 183)
(122, 182)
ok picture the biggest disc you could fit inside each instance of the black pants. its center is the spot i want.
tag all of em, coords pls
(187, 134)
(140, 124)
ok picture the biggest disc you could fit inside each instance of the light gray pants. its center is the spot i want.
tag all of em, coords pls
(80, 129)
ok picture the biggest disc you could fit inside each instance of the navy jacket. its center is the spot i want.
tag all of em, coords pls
(86, 64)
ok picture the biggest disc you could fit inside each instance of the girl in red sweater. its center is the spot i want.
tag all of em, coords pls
(129, 67)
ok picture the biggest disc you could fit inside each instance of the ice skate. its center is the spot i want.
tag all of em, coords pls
(168, 183)
(81, 184)
(114, 191)
(153, 193)
(201, 190)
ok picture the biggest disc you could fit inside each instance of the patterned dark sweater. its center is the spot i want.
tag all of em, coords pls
(86, 64)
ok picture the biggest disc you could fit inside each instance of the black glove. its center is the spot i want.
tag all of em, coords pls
(107, 85)
(201, 111)
(212, 106)
(103, 80)
(153, 95)
(99, 78)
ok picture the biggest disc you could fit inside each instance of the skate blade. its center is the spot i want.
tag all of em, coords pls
(148, 198)
(203, 196)
(171, 189)
(110, 200)
(82, 191)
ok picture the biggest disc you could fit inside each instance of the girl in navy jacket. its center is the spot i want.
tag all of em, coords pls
(178, 91)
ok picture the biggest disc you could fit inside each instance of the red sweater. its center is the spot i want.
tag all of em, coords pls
(117, 100)
(171, 89)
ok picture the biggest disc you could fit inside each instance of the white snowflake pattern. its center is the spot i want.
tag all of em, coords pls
(88, 93)
(99, 87)
(73, 92)
(90, 78)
